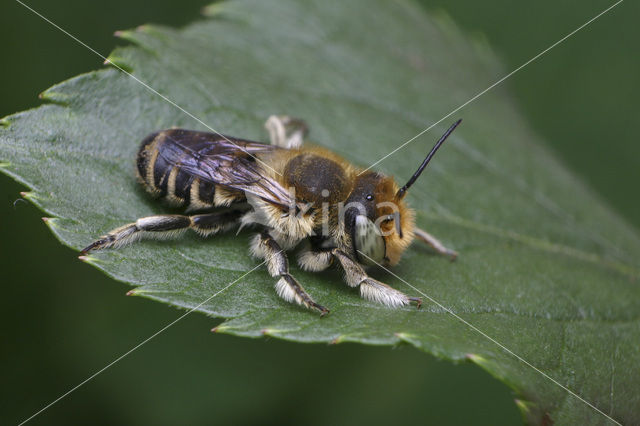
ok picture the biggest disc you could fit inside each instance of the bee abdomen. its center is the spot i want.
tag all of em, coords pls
(159, 170)
(202, 194)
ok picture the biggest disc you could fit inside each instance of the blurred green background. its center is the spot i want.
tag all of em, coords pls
(62, 320)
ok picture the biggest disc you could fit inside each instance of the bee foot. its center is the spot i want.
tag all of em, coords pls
(417, 301)
(323, 311)
(96, 245)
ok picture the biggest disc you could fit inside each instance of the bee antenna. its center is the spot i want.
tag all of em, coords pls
(401, 192)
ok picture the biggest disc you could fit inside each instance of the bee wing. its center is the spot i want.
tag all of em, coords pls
(226, 161)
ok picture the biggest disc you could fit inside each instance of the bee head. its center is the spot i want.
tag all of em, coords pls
(381, 224)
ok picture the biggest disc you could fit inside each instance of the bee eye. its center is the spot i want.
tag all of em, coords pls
(369, 197)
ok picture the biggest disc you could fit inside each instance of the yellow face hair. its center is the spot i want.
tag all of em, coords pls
(395, 218)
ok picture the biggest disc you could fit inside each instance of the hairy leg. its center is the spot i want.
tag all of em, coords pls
(370, 288)
(315, 260)
(286, 132)
(166, 226)
(265, 247)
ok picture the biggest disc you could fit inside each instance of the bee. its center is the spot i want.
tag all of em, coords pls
(297, 197)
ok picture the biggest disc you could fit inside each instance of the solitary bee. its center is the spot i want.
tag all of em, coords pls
(295, 196)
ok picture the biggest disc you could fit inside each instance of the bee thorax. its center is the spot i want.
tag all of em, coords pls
(293, 226)
(317, 179)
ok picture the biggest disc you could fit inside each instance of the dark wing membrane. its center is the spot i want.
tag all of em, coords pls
(222, 160)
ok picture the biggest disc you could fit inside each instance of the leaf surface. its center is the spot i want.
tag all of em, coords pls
(545, 268)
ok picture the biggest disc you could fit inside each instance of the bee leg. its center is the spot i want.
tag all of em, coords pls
(286, 132)
(265, 247)
(166, 226)
(370, 288)
(315, 260)
(435, 243)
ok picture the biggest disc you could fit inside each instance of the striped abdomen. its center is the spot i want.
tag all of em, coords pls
(161, 169)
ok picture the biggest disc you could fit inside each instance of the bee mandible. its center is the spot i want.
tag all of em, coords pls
(296, 197)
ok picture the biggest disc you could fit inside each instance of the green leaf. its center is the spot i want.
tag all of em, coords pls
(545, 268)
